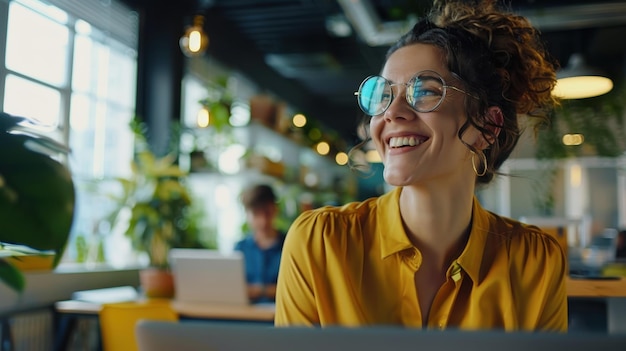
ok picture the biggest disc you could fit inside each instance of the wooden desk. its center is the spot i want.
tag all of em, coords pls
(261, 313)
(184, 309)
(69, 311)
(596, 287)
(77, 307)
(613, 291)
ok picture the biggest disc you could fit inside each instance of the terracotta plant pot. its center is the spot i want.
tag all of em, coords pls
(263, 110)
(157, 283)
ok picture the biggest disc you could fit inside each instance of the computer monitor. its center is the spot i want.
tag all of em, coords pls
(202, 335)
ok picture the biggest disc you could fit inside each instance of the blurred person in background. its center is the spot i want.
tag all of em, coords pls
(263, 244)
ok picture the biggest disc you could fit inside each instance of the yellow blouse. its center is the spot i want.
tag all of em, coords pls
(354, 266)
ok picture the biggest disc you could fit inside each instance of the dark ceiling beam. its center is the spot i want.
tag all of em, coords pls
(228, 46)
(159, 69)
(253, 3)
(269, 13)
(576, 16)
(281, 24)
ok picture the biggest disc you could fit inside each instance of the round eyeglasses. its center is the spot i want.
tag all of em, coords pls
(424, 92)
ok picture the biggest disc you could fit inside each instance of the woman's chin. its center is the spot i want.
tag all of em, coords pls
(395, 179)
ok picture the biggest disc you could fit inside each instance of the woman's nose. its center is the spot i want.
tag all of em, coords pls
(399, 107)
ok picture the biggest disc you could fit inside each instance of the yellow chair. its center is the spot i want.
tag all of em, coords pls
(118, 320)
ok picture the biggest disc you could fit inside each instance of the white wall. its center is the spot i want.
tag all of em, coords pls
(591, 189)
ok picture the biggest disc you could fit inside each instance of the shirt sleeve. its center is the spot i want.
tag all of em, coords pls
(554, 316)
(542, 274)
(238, 246)
(295, 298)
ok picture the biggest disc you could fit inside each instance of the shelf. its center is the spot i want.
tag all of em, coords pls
(275, 154)
(301, 177)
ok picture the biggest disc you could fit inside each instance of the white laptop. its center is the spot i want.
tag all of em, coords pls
(209, 276)
(199, 335)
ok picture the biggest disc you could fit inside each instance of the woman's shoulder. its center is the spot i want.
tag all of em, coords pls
(347, 212)
(525, 239)
(332, 220)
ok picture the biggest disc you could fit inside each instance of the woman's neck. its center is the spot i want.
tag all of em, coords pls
(437, 220)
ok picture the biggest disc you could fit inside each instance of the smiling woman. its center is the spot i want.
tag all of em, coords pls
(443, 117)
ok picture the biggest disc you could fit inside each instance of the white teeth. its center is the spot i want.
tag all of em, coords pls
(403, 141)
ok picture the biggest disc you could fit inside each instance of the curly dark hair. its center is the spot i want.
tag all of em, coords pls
(501, 59)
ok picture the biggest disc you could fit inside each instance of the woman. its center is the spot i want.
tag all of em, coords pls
(444, 116)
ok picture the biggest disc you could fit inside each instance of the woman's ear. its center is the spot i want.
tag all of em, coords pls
(494, 119)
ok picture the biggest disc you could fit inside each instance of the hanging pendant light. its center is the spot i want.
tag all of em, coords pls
(579, 81)
(195, 41)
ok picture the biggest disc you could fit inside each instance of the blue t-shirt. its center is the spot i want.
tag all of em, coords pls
(261, 264)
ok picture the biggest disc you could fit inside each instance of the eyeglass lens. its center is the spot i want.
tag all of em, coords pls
(424, 92)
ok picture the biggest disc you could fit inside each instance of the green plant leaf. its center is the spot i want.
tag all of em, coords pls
(600, 120)
(36, 193)
(158, 201)
(219, 115)
(12, 276)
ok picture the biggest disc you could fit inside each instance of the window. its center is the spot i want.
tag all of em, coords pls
(72, 67)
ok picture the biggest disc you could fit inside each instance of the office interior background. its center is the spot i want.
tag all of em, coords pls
(85, 69)
(102, 64)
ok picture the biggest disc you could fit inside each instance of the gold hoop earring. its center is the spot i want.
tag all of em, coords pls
(484, 161)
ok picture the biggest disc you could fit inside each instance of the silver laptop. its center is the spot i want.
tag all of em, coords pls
(209, 276)
(200, 335)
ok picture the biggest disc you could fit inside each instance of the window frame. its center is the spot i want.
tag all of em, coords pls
(62, 132)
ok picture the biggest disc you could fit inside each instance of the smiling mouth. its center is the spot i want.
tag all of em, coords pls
(397, 142)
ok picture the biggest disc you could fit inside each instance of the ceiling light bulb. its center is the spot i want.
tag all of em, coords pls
(341, 158)
(573, 139)
(203, 118)
(195, 41)
(322, 148)
(299, 120)
(579, 81)
(581, 87)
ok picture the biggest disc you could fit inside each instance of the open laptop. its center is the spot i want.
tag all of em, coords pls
(199, 335)
(209, 276)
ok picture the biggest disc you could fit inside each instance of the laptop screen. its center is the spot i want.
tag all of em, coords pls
(201, 335)
(209, 276)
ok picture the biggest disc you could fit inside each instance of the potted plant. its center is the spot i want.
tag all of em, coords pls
(37, 199)
(161, 213)
(601, 124)
(218, 103)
